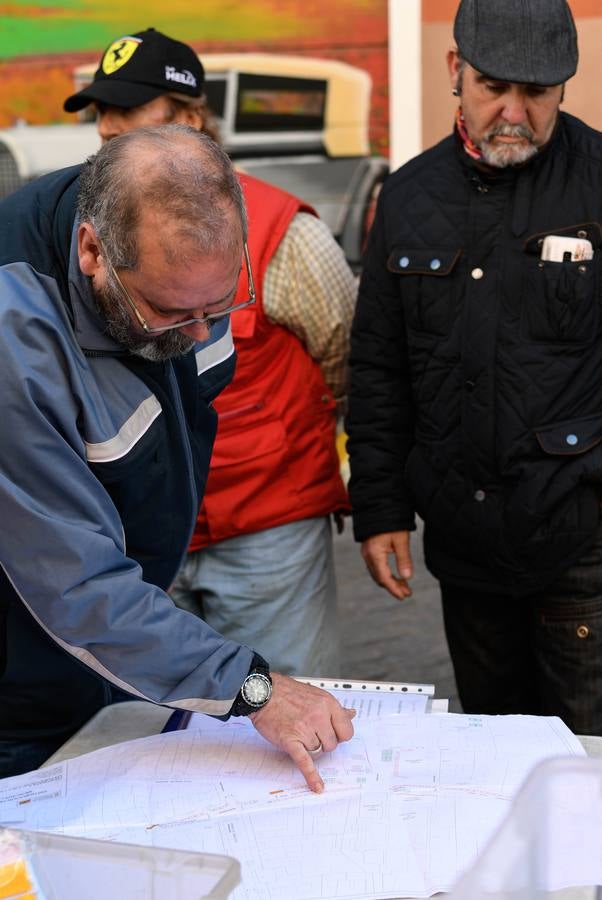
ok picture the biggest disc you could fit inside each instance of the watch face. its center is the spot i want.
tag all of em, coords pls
(256, 689)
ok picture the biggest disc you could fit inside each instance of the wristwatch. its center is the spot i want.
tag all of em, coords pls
(256, 689)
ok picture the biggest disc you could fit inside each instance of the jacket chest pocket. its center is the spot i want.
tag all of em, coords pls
(426, 286)
(561, 299)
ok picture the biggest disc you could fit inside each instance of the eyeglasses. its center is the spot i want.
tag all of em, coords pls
(207, 319)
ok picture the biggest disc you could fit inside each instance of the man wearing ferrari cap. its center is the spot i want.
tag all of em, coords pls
(260, 567)
(476, 397)
(143, 79)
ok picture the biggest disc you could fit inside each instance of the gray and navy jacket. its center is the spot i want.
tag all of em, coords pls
(476, 385)
(103, 462)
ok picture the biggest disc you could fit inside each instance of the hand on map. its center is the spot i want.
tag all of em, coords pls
(300, 718)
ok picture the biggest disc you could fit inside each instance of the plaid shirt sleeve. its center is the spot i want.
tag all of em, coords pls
(310, 289)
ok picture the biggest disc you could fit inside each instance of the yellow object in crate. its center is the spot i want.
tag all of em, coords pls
(16, 880)
(36, 865)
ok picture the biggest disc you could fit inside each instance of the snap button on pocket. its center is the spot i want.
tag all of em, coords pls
(477, 274)
(571, 438)
(426, 285)
(582, 631)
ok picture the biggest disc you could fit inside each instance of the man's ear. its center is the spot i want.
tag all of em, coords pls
(194, 118)
(88, 250)
(453, 67)
(189, 115)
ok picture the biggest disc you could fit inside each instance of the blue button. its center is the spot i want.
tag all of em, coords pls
(435, 264)
(404, 262)
(572, 439)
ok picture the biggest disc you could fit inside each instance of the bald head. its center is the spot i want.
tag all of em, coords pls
(171, 179)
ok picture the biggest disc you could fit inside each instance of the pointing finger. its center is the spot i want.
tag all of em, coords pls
(299, 755)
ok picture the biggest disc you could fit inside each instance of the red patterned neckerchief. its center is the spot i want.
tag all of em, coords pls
(471, 148)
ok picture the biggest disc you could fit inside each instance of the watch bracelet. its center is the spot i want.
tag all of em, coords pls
(240, 707)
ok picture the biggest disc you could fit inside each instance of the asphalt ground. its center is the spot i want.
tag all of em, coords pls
(384, 639)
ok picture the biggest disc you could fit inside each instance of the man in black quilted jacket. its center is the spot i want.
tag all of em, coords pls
(476, 396)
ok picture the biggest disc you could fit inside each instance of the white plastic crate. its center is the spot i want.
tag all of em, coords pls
(550, 843)
(42, 866)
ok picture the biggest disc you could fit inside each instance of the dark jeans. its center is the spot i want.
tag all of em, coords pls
(541, 655)
(19, 756)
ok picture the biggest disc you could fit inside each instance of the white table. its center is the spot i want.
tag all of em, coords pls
(112, 725)
(135, 719)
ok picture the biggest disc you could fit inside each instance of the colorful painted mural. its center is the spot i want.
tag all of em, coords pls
(42, 42)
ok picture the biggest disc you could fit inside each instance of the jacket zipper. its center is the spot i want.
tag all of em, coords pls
(173, 383)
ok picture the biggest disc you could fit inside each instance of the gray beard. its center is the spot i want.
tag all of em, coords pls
(501, 157)
(119, 326)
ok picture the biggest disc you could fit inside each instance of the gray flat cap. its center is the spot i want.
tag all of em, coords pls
(527, 41)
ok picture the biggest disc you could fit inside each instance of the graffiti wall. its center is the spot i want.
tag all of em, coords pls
(41, 42)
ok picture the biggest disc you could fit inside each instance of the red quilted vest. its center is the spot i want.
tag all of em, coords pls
(274, 459)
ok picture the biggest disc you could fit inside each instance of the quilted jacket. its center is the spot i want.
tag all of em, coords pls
(476, 395)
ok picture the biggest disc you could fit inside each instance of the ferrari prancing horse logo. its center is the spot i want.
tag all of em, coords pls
(120, 52)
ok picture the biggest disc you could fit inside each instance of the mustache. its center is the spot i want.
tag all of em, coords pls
(506, 130)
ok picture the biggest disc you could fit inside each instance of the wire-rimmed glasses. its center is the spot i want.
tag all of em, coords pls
(206, 319)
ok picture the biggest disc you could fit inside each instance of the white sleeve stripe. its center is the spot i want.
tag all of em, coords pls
(216, 353)
(140, 421)
(128, 435)
(196, 704)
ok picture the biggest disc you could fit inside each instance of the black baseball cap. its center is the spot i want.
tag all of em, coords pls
(136, 68)
(525, 41)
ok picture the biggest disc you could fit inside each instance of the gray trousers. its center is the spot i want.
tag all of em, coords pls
(273, 590)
